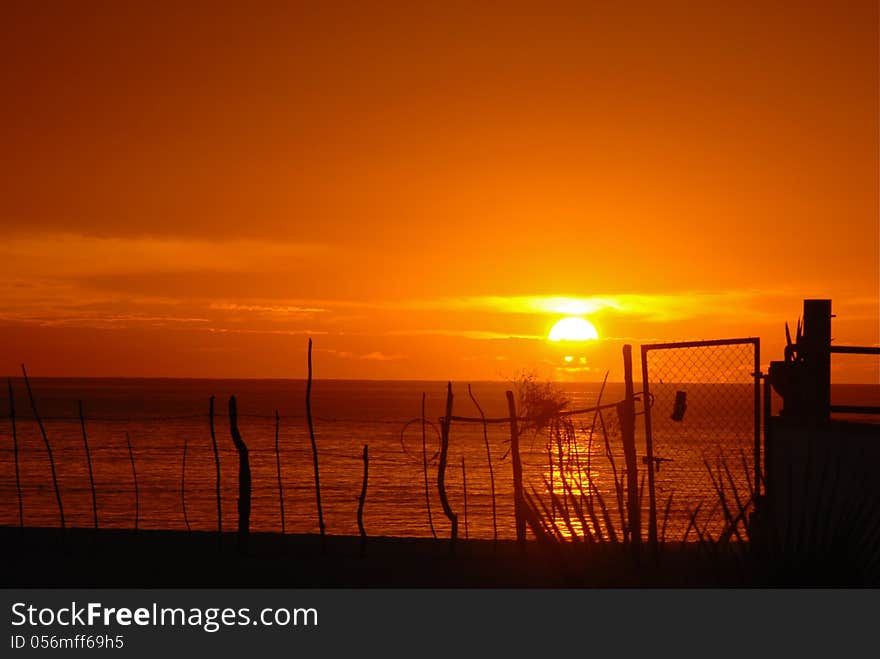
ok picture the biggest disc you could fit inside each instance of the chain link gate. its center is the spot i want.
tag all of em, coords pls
(702, 436)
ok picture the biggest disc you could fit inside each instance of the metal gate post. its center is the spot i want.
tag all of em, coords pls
(757, 375)
(627, 414)
(649, 450)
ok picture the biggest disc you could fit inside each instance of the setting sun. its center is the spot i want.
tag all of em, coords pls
(573, 329)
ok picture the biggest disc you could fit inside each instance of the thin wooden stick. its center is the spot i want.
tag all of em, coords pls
(518, 501)
(441, 470)
(137, 498)
(244, 479)
(183, 486)
(618, 481)
(361, 500)
(82, 423)
(315, 452)
(278, 466)
(596, 415)
(561, 414)
(491, 470)
(27, 383)
(217, 478)
(15, 456)
(573, 456)
(550, 468)
(464, 484)
(425, 465)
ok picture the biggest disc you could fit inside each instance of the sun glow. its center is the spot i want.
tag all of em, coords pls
(573, 329)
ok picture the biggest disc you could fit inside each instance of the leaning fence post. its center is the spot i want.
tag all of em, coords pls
(278, 469)
(627, 412)
(134, 476)
(441, 471)
(217, 478)
(82, 423)
(464, 486)
(491, 470)
(183, 486)
(315, 452)
(27, 383)
(361, 501)
(244, 479)
(518, 501)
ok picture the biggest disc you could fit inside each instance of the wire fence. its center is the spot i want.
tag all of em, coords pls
(703, 434)
(173, 462)
(702, 441)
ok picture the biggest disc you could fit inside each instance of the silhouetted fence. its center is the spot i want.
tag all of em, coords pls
(703, 433)
(183, 483)
(569, 471)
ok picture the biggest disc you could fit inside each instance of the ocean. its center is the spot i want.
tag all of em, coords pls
(160, 416)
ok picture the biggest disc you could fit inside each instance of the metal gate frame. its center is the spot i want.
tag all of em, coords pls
(649, 445)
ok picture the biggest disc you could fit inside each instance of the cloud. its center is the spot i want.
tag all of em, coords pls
(380, 357)
(375, 356)
(650, 307)
(67, 279)
(466, 334)
(99, 320)
(69, 255)
(269, 309)
(285, 332)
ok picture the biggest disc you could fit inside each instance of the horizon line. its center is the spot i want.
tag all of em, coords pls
(409, 380)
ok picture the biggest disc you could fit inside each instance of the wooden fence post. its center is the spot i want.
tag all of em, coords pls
(134, 476)
(464, 486)
(183, 485)
(39, 419)
(82, 423)
(518, 501)
(244, 479)
(315, 451)
(217, 478)
(441, 471)
(491, 470)
(362, 500)
(278, 469)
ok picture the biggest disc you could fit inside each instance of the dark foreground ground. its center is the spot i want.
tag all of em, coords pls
(37, 557)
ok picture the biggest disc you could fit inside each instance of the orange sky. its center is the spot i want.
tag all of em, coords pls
(195, 192)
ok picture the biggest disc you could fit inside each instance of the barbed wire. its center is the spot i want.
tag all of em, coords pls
(295, 417)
